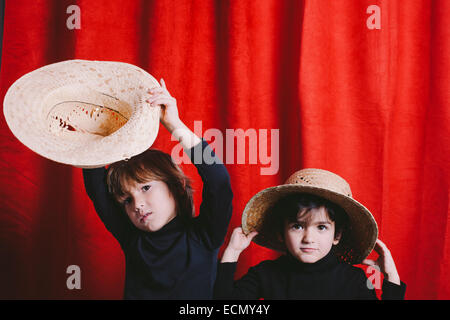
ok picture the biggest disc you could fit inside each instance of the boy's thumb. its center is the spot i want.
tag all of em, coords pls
(252, 234)
(368, 262)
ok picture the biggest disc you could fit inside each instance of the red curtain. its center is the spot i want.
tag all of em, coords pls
(359, 90)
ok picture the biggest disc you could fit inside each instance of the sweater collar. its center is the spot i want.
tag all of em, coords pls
(169, 230)
(327, 262)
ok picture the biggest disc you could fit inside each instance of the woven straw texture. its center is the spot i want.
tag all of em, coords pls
(360, 236)
(83, 113)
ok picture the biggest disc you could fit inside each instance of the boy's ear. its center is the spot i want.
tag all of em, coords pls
(337, 238)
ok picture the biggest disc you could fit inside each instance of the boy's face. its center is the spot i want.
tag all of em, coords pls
(311, 237)
(149, 205)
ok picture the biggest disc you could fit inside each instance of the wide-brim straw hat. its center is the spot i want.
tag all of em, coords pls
(83, 113)
(359, 236)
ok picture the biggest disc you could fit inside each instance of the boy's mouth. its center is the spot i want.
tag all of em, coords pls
(308, 250)
(144, 217)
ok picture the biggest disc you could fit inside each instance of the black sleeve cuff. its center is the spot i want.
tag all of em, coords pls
(228, 268)
(392, 291)
(223, 287)
(202, 153)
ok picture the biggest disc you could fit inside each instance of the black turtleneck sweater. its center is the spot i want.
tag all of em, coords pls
(287, 278)
(179, 261)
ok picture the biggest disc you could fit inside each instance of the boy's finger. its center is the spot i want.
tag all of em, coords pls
(153, 89)
(381, 244)
(159, 97)
(163, 85)
(380, 247)
(252, 234)
(368, 262)
(156, 91)
(162, 101)
(154, 97)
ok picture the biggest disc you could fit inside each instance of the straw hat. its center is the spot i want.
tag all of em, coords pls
(83, 113)
(359, 238)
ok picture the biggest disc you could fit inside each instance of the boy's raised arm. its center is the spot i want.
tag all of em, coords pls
(215, 209)
(225, 287)
(106, 207)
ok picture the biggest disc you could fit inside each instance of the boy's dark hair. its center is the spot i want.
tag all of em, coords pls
(286, 210)
(152, 165)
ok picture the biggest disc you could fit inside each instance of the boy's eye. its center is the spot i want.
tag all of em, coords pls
(146, 187)
(296, 226)
(127, 201)
(322, 227)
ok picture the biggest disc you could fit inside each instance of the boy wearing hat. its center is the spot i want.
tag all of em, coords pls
(322, 232)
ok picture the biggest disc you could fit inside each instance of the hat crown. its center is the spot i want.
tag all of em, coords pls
(321, 179)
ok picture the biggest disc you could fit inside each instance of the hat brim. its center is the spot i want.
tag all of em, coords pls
(98, 83)
(360, 236)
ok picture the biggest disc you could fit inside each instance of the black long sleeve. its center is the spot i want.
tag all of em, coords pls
(179, 261)
(109, 211)
(216, 207)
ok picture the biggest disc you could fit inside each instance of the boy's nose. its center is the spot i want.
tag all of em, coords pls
(307, 236)
(139, 206)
